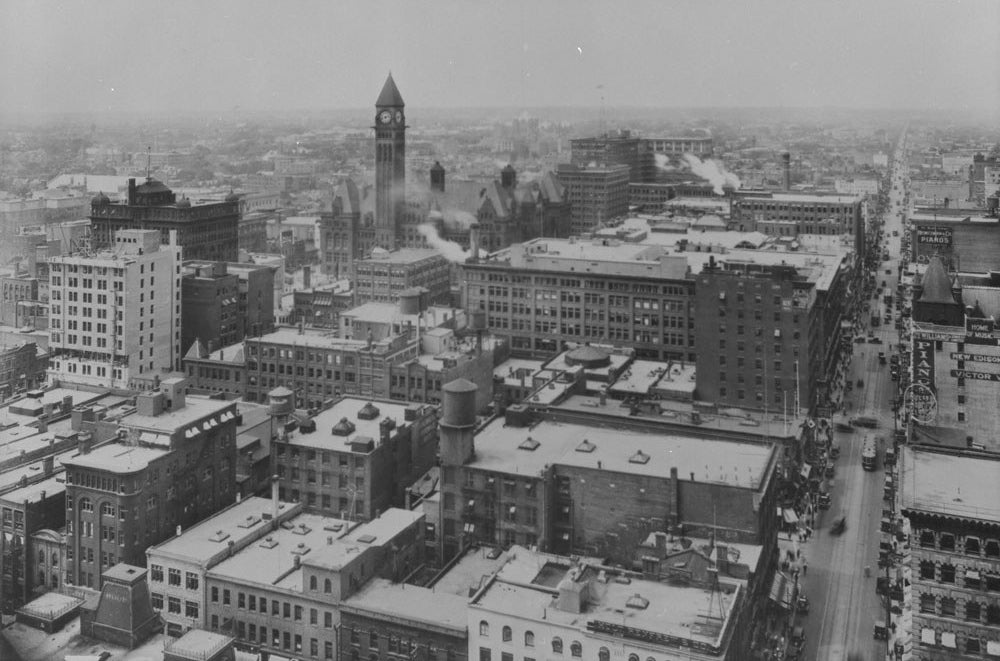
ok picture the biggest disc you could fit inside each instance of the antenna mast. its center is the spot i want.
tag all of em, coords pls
(149, 158)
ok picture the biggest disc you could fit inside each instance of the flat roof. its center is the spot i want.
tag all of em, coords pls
(413, 603)
(640, 376)
(507, 370)
(116, 458)
(311, 337)
(349, 407)
(471, 571)
(197, 642)
(671, 610)
(401, 256)
(265, 562)
(33, 492)
(928, 484)
(734, 463)
(802, 197)
(238, 522)
(195, 408)
(370, 534)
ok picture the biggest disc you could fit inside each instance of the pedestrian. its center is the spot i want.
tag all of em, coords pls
(805, 568)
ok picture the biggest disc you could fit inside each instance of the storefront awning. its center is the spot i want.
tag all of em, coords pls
(948, 640)
(791, 516)
(927, 636)
(782, 588)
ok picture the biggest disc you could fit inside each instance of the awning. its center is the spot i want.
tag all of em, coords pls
(782, 588)
(993, 648)
(927, 636)
(791, 516)
(948, 640)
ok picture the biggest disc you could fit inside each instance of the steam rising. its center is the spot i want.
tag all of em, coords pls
(716, 174)
(451, 250)
(663, 162)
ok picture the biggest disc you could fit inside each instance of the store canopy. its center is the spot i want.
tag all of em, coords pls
(782, 588)
(927, 636)
(791, 516)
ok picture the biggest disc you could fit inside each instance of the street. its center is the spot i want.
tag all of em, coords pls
(845, 605)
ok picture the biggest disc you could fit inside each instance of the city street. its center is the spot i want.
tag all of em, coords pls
(845, 605)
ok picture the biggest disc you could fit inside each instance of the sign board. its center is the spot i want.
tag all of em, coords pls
(980, 331)
(975, 376)
(934, 235)
(975, 357)
(923, 362)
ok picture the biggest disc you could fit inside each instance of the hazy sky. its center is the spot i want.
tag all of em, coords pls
(135, 55)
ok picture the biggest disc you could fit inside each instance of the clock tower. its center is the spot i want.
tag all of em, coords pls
(390, 166)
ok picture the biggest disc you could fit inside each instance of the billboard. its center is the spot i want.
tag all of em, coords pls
(934, 235)
(980, 331)
(975, 376)
(923, 362)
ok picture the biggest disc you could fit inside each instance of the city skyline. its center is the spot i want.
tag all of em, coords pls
(143, 58)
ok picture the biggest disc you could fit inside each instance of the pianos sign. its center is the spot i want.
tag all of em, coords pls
(935, 236)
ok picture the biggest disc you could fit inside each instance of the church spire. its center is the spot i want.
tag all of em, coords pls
(390, 95)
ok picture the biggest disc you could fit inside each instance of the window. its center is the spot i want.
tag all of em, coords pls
(190, 609)
(973, 611)
(948, 606)
(947, 573)
(313, 616)
(327, 586)
(313, 583)
(972, 645)
(156, 573)
(173, 605)
(157, 600)
(506, 656)
(633, 657)
(603, 654)
(373, 637)
(927, 570)
(927, 539)
(992, 614)
(947, 542)
(507, 634)
(174, 577)
(215, 595)
(191, 581)
(529, 639)
(484, 628)
(226, 597)
(328, 619)
(971, 546)
(576, 649)
(927, 603)
(557, 646)
(485, 654)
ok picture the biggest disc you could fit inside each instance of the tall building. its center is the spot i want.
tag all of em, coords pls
(385, 275)
(769, 333)
(952, 521)
(596, 193)
(209, 305)
(390, 165)
(115, 314)
(639, 154)
(205, 231)
(174, 465)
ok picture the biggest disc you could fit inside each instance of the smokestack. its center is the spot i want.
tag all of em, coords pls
(474, 241)
(131, 191)
(786, 159)
(437, 177)
(47, 465)
(275, 507)
(306, 277)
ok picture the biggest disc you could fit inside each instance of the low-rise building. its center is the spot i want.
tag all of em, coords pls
(385, 275)
(24, 512)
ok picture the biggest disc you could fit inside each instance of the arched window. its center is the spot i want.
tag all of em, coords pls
(557, 646)
(313, 583)
(529, 639)
(55, 559)
(508, 635)
(604, 654)
(575, 649)
(484, 628)
(41, 557)
(633, 657)
(327, 586)
(372, 638)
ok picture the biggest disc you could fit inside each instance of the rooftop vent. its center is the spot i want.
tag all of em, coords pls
(638, 602)
(268, 543)
(250, 521)
(219, 536)
(368, 412)
(344, 428)
(586, 446)
(333, 527)
(529, 444)
(639, 457)
(366, 539)
(301, 529)
(300, 549)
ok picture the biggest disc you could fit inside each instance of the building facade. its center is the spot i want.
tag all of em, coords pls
(115, 315)
(385, 275)
(204, 231)
(595, 193)
(788, 214)
(209, 305)
(390, 165)
(24, 512)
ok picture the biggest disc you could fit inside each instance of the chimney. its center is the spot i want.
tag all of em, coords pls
(67, 404)
(47, 464)
(661, 544)
(131, 191)
(43, 426)
(302, 326)
(306, 277)
(275, 506)
(178, 530)
(83, 442)
(786, 160)
(722, 558)
(474, 241)
(437, 177)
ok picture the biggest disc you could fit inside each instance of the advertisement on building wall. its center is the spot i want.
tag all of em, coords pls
(980, 331)
(935, 236)
(923, 362)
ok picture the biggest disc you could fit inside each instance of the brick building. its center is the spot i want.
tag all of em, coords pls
(565, 486)
(13, 290)
(791, 214)
(22, 368)
(205, 231)
(385, 275)
(596, 193)
(174, 465)
(209, 305)
(953, 552)
(24, 512)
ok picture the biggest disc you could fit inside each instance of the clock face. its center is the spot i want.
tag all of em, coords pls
(385, 117)
(399, 115)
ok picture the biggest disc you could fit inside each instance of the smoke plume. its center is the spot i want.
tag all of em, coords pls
(663, 162)
(716, 174)
(451, 250)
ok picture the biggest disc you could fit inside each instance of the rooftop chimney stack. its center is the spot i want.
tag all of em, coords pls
(275, 504)
(786, 160)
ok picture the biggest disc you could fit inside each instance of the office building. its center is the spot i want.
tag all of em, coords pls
(639, 154)
(22, 368)
(565, 486)
(792, 214)
(282, 594)
(14, 290)
(382, 277)
(24, 512)
(554, 606)
(596, 193)
(953, 554)
(175, 464)
(354, 458)
(964, 241)
(115, 315)
(205, 231)
(209, 305)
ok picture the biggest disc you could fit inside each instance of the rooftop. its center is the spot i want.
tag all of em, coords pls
(236, 523)
(613, 449)
(471, 571)
(33, 492)
(377, 532)
(412, 603)
(349, 407)
(116, 458)
(690, 613)
(804, 198)
(927, 484)
(196, 642)
(271, 561)
(311, 337)
(402, 256)
(194, 410)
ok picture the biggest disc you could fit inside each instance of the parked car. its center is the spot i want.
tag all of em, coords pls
(830, 471)
(802, 604)
(823, 500)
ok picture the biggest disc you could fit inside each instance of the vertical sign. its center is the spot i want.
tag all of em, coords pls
(923, 362)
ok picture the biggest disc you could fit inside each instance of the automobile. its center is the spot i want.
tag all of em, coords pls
(861, 384)
(802, 604)
(875, 340)
(864, 421)
(880, 631)
(860, 339)
(894, 375)
(830, 471)
(798, 638)
(840, 426)
(835, 450)
(894, 359)
(881, 358)
(888, 271)
(824, 500)
(839, 526)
